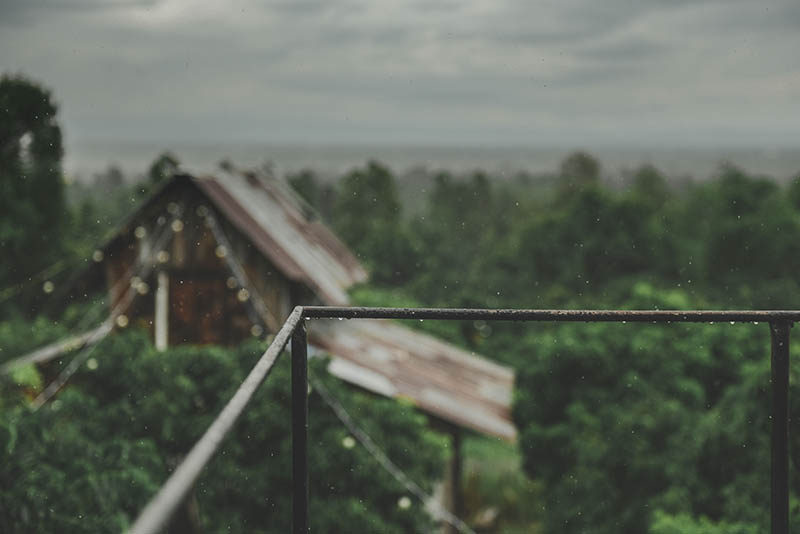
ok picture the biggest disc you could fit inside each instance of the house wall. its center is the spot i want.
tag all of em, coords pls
(205, 302)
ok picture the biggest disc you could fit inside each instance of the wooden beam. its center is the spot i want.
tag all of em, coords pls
(458, 468)
(58, 348)
(161, 321)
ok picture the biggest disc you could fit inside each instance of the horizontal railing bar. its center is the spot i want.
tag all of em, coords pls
(158, 511)
(659, 316)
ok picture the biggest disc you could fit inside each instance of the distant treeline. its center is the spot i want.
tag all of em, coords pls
(731, 241)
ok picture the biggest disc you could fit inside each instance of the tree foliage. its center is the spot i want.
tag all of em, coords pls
(164, 166)
(32, 207)
(619, 421)
(89, 460)
(629, 428)
(367, 215)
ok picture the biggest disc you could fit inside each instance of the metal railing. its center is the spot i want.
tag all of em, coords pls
(159, 510)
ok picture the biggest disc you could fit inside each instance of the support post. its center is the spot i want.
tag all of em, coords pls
(780, 427)
(299, 430)
(456, 473)
(161, 319)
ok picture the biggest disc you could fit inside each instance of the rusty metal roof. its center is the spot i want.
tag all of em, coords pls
(442, 380)
(278, 223)
(380, 356)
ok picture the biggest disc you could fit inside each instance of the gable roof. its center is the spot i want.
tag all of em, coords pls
(437, 377)
(276, 221)
(380, 356)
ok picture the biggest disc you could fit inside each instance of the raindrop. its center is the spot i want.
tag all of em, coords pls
(177, 225)
(140, 232)
(48, 287)
(221, 251)
(97, 256)
(122, 320)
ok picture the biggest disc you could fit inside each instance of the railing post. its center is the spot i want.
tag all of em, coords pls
(780, 426)
(299, 430)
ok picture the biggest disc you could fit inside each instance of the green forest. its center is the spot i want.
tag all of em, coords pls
(623, 428)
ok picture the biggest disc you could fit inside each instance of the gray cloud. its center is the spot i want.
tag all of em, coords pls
(22, 12)
(623, 51)
(510, 71)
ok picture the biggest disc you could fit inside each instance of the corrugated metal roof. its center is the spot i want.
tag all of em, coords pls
(440, 379)
(380, 356)
(272, 217)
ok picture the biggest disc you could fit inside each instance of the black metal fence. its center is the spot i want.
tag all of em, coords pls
(159, 510)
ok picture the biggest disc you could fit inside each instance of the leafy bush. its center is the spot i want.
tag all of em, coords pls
(90, 459)
(620, 420)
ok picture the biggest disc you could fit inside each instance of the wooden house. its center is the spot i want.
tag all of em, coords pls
(226, 256)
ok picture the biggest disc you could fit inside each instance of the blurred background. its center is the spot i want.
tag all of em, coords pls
(470, 154)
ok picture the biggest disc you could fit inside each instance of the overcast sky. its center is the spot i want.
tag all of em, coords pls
(449, 72)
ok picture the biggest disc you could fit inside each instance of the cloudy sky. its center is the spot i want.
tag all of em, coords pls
(449, 72)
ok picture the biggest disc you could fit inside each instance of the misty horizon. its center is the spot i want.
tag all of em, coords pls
(84, 160)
